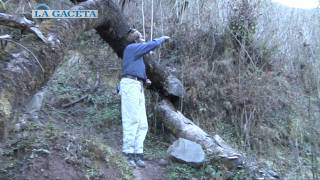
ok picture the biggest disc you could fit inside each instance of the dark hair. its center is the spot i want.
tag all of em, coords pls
(133, 35)
(131, 30)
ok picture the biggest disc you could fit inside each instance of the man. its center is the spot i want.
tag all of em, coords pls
(133, 111)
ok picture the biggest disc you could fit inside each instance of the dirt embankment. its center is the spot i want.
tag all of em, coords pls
(80, 141)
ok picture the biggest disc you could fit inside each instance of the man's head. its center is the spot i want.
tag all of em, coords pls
(134, 36)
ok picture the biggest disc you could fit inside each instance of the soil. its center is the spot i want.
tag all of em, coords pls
(56, 148)
(153, 170)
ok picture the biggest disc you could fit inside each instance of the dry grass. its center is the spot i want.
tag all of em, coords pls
(250, 73)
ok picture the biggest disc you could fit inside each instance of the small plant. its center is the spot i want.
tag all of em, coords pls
(103, 117)
(242, 22)
(92, 173)
(154, 149)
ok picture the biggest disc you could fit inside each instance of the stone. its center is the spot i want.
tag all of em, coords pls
(187, 151)
(175, 87)
(35, 104)
(163, 162)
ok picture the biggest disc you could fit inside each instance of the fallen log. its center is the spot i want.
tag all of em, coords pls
(218, 151)
(21, 76)
(162, 80)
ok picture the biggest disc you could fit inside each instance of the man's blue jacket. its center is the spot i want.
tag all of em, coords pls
(133, 63)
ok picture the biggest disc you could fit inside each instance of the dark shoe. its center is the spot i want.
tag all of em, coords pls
(140, 161)
(131, 159)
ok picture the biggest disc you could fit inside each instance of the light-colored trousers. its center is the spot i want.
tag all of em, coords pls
(134, 118)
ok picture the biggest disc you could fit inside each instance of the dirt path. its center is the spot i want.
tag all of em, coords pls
(112, 137)
(153, 170)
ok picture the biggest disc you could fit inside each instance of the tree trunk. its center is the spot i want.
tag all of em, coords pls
(25, 70)
(165, 83)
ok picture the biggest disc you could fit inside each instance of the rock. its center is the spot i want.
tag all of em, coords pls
(35, 104)
(163, 162)
(187, 151)
(175, 87)
(36, 152)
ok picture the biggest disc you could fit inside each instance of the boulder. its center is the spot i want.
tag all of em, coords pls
(187, 151)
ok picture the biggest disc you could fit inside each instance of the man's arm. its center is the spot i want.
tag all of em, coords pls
(143, 48)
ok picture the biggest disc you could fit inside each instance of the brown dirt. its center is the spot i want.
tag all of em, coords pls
(153, 170)
(67, 159)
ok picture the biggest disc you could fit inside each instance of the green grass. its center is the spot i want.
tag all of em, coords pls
(153, 147)
(103, 113)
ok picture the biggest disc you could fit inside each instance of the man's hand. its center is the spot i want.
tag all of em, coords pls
(148, 83)
(166, 38)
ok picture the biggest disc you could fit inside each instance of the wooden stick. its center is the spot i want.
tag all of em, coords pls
(75, 102)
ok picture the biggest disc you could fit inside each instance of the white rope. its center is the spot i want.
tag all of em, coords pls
(151, 31)
(162, 31)
(143, 25)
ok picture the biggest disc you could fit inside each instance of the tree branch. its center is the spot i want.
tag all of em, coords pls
(15, 21)
(22, 23)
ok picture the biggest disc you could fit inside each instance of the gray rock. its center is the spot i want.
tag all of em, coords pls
(187, 151)
(175, 86)
(36, 103)
(163, 162)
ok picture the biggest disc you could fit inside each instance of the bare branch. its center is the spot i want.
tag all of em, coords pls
(15, 21)
(21, 22)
